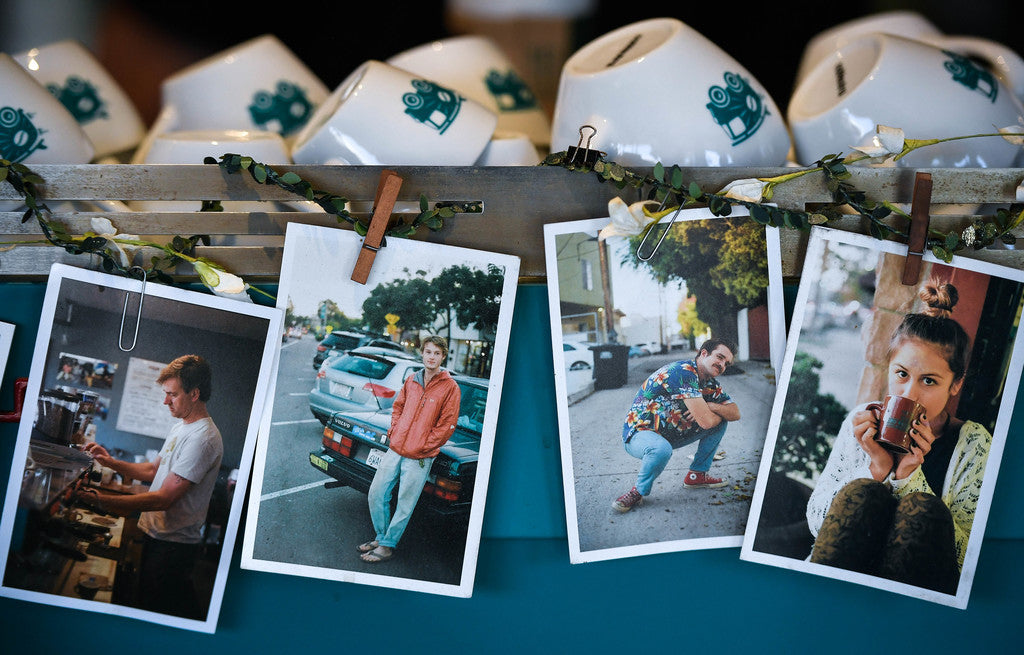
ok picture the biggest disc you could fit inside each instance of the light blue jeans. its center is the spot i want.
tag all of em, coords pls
(409, 475)
(654, 451)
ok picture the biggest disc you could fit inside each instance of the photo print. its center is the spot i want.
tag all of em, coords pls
(6, 339)
(664, 375)
(376, 452)
(892, 412)
(105, 517)
(82, 371)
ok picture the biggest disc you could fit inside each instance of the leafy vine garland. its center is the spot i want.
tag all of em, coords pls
(663, 185)
(667, 187)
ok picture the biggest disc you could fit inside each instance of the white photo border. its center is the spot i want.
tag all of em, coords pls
(274, 318)
(819, 236)
(399, 252)
(776, 331)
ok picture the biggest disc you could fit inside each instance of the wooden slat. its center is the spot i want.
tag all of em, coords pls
(517, 202)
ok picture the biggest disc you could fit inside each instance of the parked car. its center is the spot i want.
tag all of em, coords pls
(637, 352)
(344, 340)
(354, 443)
(577, 355)
(649, 347)
(363, 378)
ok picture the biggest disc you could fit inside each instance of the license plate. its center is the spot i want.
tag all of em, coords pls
(340, 390)
(374, 458)
(318, 462)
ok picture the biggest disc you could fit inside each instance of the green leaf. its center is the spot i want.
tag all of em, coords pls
(291, 178)
(942, 254)
(677, 177)
(695, 190)
(445, 212)
(434, 223)
(3, 173)
(259, 173)
(876, 230)
(952, 240)
(760, 214)
(424, 204)
(245, 162)
(360, 228)
(659, 172)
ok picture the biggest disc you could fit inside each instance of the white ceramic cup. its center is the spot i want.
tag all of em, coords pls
(476, 67)
(509, 149)
(89, 92)
(383, 115)
(882, 79)
(35, 128)
(259, 84)
(1001, 60)
(659, 91)
(192, 146)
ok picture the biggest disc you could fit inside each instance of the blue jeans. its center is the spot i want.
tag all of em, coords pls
(654, 451)
(409, 475)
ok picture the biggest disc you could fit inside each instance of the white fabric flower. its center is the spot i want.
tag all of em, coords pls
(886, 142)
(1014, 134)
(222, 283)
(104, 228)
(626, 220)
(747, 189)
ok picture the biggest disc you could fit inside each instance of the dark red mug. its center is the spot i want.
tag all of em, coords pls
(896, 416)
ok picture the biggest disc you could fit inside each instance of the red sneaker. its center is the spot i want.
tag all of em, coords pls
(700, 479)
(628, 501)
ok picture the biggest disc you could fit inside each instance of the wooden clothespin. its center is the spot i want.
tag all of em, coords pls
(383, 205)
(919, 218)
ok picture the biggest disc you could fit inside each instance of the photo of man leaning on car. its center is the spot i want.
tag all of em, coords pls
(423, 418)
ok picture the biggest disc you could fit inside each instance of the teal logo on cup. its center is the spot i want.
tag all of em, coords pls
(966, 72)
(284, 110)
(432, 104)
(737, 108)
(19, 138)
(510, 91)
(81, 98)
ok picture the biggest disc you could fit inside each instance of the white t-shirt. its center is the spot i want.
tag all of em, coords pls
(193, 451)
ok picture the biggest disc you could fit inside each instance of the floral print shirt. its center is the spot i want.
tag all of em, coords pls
(659, 407)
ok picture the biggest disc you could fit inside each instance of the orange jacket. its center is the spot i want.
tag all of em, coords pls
(423, 419)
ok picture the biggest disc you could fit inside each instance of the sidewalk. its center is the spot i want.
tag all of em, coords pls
(603, 470)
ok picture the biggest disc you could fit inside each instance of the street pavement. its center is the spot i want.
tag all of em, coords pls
(603, 471)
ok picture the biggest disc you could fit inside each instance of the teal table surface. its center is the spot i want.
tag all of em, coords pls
(527, 596)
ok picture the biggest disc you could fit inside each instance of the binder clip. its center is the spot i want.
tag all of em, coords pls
(582, 155)
(383, 205)
(919, 219)
(138, 316)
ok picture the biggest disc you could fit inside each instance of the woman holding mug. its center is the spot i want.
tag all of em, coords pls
(907, 517)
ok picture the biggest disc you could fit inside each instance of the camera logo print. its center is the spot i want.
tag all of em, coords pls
(737, 108)
(19, 137)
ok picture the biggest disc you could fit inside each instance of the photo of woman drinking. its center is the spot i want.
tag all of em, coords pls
(907, 517)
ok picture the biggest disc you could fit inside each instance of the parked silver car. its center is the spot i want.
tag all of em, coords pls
(366, 378)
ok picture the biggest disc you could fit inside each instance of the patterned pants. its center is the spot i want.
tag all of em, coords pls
(910, 540)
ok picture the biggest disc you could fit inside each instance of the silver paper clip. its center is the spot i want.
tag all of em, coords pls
(138, 316)
(664, 234)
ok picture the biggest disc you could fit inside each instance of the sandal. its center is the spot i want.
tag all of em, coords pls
(367, 547)
(377, 555)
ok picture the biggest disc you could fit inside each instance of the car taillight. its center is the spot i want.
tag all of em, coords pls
(337, 443)
(322, 373)
(379, 391)
(321, 348)
(444, 489)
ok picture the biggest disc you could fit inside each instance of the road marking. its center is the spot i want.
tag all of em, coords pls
(304, 420)
(299, 393)
(293, 490)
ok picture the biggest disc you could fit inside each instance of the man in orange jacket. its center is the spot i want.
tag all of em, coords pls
(422, 419)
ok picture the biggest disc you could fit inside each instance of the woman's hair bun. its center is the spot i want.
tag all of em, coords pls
(941, 298)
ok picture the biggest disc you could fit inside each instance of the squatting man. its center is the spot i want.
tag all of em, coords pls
(679, 404)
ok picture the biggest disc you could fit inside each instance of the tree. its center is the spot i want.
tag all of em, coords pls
(331, 315)
(412, 299)
(723, 261)
(690, 324)
(469, 297)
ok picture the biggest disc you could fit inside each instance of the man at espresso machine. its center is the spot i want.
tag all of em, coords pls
(181, 479)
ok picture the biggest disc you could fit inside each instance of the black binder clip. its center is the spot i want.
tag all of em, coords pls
(582, 155)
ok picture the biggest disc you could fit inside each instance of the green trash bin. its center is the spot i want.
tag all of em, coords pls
(611, 365)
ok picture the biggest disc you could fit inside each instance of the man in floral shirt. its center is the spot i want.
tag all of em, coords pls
(677, 405)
